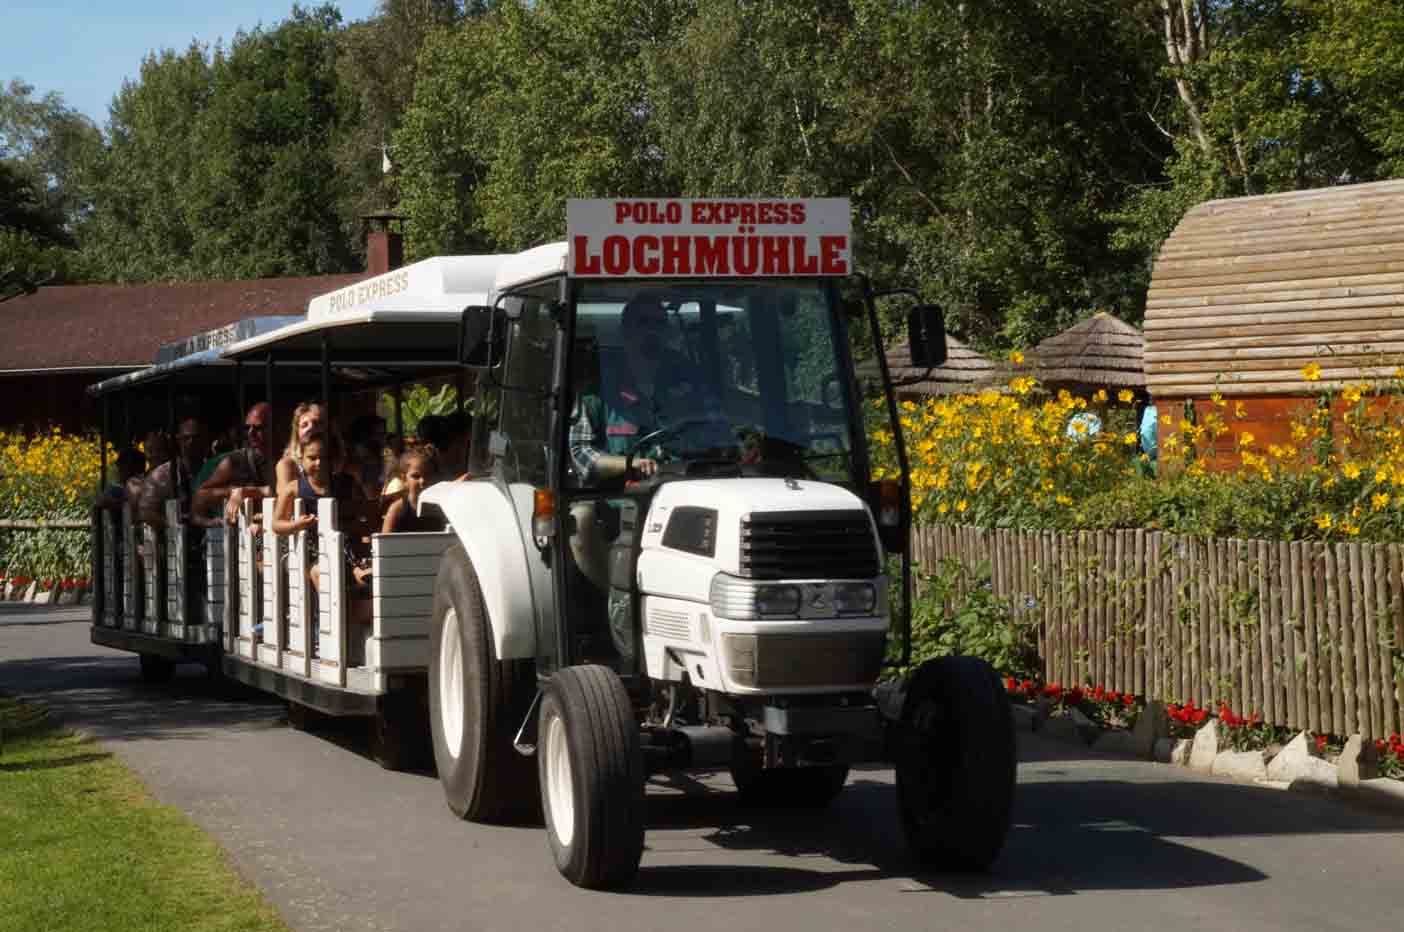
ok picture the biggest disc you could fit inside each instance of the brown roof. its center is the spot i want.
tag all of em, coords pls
(963, 370)
(121, 326)
(1249, 291)
(1101, 350)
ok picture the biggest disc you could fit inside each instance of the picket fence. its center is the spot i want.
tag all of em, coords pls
(1306, 633)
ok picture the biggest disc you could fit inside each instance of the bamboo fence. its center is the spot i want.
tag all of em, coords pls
(1310, 634)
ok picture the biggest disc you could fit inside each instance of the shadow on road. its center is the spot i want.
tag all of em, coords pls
(1070, 836)
(72, 761)
(105, 696)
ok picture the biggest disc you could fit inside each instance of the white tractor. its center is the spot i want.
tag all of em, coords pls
(679, 560)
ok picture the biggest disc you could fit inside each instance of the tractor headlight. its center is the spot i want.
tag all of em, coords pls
(855, 598)
(740, 598)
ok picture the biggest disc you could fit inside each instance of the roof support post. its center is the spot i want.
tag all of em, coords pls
(239, 393)
(326, 379)
(268, 396)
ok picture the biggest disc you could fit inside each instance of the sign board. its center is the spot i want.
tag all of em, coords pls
(221, 337)
(709, 237)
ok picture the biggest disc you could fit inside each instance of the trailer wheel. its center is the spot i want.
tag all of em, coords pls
(156, 669)
(955, 764)
(591, 771)
(476, 703)
(301, 717)
(789, 787)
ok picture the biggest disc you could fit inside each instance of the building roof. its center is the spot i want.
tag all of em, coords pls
(963, 370)
(1248, 291)
(1102, 350)
(106, 327)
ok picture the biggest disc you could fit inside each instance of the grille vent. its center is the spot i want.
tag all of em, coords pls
(808, 545)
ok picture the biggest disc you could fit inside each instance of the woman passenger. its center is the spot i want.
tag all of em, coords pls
(307, 417)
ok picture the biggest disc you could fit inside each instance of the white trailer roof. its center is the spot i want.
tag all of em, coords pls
(434, 291)
(532, 265)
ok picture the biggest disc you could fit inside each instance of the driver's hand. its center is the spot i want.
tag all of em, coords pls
(645, 467)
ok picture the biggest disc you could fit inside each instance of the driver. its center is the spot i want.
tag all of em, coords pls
(653, 388)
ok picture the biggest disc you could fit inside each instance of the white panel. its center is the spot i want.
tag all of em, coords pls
(396, 587)
(415, 625)
(397, 652)
(411, 544)
(275, 588)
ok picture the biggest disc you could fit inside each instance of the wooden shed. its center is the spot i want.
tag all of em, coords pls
(1249, 291)
(1100, 352)
(964, 370)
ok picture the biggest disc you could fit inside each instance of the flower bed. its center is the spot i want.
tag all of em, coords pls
(1025, 458)
(46, 477)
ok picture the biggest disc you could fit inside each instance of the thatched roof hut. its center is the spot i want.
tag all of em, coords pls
(1100, 352)
(963, 371)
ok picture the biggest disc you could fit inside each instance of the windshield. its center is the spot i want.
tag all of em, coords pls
(710, 378)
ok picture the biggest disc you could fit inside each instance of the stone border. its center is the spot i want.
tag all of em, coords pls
(1297, 766)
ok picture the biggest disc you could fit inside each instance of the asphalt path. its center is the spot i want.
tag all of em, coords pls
(336, 843)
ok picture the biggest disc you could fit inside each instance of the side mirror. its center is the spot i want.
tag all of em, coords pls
(926, 335)
(480, 336)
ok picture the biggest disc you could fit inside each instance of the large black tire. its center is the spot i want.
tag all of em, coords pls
(591, 770)
(301, 717)
(956, 764)
(476, 704)
(790, 787)
(399, 730)
(156, 669)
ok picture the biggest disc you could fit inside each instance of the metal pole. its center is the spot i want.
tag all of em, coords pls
(239, 398)
(326, 381)
(399, 412)
(268, 397)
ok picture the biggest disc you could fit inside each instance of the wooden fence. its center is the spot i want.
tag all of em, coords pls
(1309, 634)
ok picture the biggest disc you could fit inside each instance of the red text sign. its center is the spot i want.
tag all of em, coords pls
(709, 237)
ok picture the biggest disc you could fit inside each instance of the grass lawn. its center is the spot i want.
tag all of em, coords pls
(82, 845)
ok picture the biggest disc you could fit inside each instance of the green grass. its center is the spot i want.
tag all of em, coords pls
(83, 847)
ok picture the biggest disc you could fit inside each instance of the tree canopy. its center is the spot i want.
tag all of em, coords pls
(1018, 162)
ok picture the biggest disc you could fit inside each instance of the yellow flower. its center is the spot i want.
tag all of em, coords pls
(1324, 522)
(1062, 500)
(1351, 529)
(1312, 372)
(942, 508)
(1350, 471)
(1126, 396)
(1129, 439)
(1017, 358)
(1352, 394)
(1218, 400)
(1379, 500)
(1100, 395)
(1246, 439)
(1238, 410)
(962, 505)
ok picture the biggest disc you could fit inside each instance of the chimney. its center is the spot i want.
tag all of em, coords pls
(385, 242)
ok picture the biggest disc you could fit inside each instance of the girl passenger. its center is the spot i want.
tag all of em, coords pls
(418, 469)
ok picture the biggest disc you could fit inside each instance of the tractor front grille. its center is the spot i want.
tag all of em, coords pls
(808, 545)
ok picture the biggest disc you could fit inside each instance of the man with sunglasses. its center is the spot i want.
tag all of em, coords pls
(654, 387)
(247, 473)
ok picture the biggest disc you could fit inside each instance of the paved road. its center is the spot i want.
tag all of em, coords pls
(338, 844)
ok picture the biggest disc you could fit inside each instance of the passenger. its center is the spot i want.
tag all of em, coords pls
(306, 418)
(418, 468)
(175, 478)
(367, 459)
(245, 473)
(131, 466)
(318, 478)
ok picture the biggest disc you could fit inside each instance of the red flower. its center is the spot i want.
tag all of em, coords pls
(1073, 696)
(1128, 700)
(1010, 684)
(1099, 693)
(1321, 742)
(1199, 715)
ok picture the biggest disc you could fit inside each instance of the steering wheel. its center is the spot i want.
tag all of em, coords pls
(656, 437)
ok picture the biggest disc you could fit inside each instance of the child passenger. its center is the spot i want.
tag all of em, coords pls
(418, 469)
(316, 477)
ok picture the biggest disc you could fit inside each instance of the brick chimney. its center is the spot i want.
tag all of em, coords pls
(385, 242)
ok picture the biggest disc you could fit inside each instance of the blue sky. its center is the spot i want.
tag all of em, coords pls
(85, 49)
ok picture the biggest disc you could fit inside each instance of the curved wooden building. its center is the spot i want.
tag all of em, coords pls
(1100, 352)
(1249, 291)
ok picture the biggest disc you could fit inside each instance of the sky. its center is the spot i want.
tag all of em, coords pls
(84, 49)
